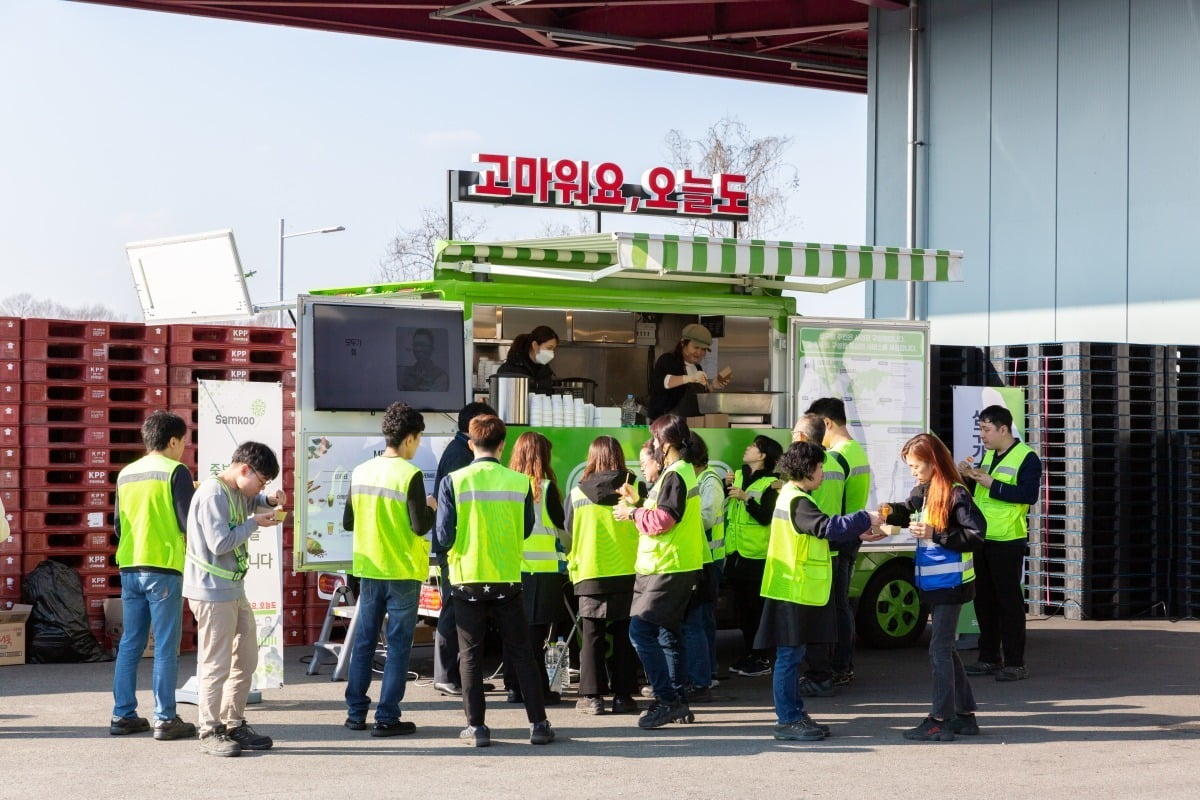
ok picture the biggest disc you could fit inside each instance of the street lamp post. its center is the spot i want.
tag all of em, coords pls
(283, 236)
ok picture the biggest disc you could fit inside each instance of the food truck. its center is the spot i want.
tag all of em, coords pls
(617, 302)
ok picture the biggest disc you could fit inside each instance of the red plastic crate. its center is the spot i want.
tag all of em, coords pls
(60, 478)
(100, 415)
(293, 616)
(59, 393)
(10, 391)
(10, 435)
(188, 375)
(66, 456)
(14, 546)
(10, 371)
(231, 355)
(10, 413)
(86, 564)
(126, 332)
(10, 458)
(10, 478)
(294, 636)
(75, 542)
(68, 352)
(54, 329)
(52, 500)
(15, 518)
(65, 435)
(11, 497)
(233, 334)
(10, 349)
(101, 582)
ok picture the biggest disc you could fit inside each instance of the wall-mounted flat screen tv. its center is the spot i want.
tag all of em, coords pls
(366, 357)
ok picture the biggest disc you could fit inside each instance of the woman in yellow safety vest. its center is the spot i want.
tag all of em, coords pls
(543, 559)
(602, 553)
(671, 553)
(948, 527)
(796, 583)
(747, 525)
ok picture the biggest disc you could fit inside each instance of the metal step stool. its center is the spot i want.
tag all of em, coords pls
(342, 605)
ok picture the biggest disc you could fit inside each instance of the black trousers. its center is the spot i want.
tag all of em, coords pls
(445, 640)
(537, 645)
(508, 615)
(826, 658)
(598, 673)
(1000, 602)
(745, 577)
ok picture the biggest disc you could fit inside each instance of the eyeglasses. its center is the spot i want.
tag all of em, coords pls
(261, 480)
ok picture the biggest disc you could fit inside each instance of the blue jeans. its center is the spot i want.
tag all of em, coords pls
(785, 684)
(843, 651)
(663, 657)
(150, 601)
(698, 666)
(398, 601)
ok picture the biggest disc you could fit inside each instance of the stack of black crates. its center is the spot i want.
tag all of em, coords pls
(1183, 420)
(1116, 531)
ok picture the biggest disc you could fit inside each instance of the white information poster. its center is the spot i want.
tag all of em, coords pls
(329, 460)
(968, 402)
(881, 374)
(232, 412)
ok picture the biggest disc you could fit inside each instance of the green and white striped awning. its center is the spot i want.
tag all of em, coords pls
(761, 262)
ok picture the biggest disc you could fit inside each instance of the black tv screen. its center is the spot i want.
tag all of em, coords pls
(367, 357)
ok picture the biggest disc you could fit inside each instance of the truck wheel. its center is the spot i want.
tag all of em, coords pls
(890, 613)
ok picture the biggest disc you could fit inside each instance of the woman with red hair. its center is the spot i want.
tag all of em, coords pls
(948, 527)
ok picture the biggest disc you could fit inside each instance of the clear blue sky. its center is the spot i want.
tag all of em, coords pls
(126, 125)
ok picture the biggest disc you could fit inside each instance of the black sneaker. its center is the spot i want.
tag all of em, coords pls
(752, 667)
(475, 736)
(805, 718)
(400, 727)
(810, 688)
(704, 695)
(983, 668)
(1005, 674)
(249, 738)
(624, 704)
(541, 732)
(843, 678)
(931, 730)
(963, 725)
(552, 699)
(123, 726)
(656, 716)
(590, 705)
(514, 696)
(803, 731)
(168, 729)
(218, 743)
(355, 724)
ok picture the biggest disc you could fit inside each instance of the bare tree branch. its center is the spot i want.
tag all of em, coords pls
(410, 253)
(727, 146)
(30, 307)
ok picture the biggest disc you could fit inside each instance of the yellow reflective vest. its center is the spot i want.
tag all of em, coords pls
(150, 535)
(385, 545)
(601, 546)
(683, 547)
(490, 501)
(799, 568)
(1006, 522)
(543, 547)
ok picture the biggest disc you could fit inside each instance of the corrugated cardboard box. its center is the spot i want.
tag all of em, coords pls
(709, 421)
(12, 635)
(114, 625)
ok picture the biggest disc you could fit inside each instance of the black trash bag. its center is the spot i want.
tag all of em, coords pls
(58, 630)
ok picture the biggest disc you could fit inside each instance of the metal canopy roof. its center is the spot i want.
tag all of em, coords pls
(815, 43)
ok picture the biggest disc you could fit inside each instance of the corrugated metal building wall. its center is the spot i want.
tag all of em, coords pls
(1061, 154)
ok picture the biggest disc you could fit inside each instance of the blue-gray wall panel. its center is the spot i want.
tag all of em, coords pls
(1164, 150)
(959, 116)
(887, 101)
(1093, 114)
(1023, 151)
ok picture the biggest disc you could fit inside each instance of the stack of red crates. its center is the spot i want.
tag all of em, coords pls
(73, 396)
(86, 388)
(10, 464)
(236, 353)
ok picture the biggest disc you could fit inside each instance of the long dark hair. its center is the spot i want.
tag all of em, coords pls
(523, 343)
(929, 449)
(671, 430)
(531, 456)
(604, 455)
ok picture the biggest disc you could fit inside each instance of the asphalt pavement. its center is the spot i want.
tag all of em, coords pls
(1111, 709)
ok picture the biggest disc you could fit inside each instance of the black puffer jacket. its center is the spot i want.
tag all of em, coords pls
(541, 377)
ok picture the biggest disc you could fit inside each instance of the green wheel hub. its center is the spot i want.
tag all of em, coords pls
(897, 608)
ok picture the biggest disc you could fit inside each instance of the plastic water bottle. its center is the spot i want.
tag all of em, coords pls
(629, 412)
(564, 660)
(552, 665)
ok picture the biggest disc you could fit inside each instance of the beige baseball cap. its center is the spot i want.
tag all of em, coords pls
(698, 334)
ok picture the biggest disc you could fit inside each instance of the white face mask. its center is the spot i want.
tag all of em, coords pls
(544, 356)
